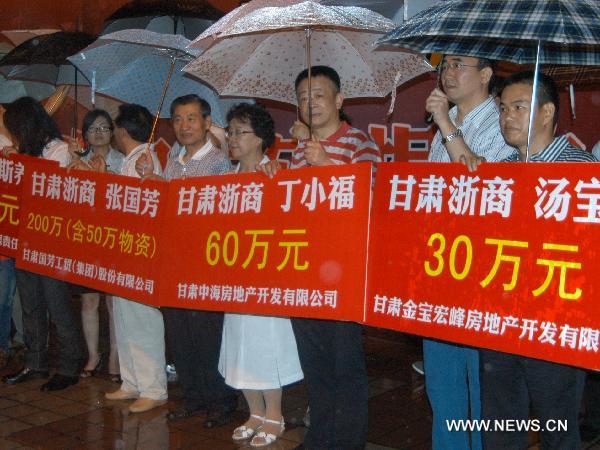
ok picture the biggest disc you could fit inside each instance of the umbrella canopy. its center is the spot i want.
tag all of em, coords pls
(171, 17)
(17, 37)
(10, 90)
(208, 36)
(260, 54)
(506, 30)
(563, 75)
(133, 66)
(44, 58)
(524, 32)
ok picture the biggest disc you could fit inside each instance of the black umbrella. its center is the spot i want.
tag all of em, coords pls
(188, 18)
(44, 58)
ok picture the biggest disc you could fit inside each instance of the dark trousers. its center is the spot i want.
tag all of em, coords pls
(42, 298)
(333, 361)
(511, 384)
(194, 340)
(591, 401)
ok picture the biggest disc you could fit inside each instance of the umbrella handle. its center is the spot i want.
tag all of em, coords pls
(533, 100)
(160, 105)
(307, 33)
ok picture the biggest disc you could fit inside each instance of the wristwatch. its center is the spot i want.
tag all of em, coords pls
(451, 136)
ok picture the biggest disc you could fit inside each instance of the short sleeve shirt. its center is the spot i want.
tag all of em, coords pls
(208, 160)
(346, 146)
(481, 132)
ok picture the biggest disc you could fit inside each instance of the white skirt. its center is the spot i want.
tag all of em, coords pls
(258, 352)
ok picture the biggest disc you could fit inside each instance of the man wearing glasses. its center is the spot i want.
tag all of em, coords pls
(194, 337)
(469, 132)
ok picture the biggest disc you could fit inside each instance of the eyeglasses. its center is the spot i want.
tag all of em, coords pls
(99, 129)
(455, 65)
(236, 133)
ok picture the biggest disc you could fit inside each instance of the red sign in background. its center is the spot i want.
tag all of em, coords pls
(462, 257)
(99, 230)
(302, 253)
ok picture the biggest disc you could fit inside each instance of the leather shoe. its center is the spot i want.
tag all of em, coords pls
(588, 433)
(144, 404)
(25, 374)
(120, 394)
(217, 418)
(184, 413)
(59, 382)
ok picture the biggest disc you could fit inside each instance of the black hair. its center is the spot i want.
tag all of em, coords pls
(329, 73)
(482, 63)
(30, 126)
(89, 119)
(191, 98)
(136, 120)
(324, 71)
(547, 91)
(259, 119)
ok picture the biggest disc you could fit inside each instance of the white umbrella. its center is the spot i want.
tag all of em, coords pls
(261, 53)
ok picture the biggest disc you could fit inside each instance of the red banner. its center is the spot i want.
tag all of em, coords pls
(12, 173)
(99, 230)
(294, 245)
(504, 258)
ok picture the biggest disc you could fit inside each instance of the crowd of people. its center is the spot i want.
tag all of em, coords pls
(216, 354)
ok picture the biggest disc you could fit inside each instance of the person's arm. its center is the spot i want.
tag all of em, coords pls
(438, 105)
(148, 168)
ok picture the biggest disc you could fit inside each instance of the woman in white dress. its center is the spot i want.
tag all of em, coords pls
(258, 353)
(97, 132)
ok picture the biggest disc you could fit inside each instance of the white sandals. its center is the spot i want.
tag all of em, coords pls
(243, 432)
(262, 439)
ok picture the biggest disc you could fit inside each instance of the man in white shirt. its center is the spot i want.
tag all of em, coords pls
(468, 132)
(139, 328)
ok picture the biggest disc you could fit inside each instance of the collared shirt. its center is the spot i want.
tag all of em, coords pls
(347, 145)
(481, 132)
(57, 150)
(559, 150)
(128, 166)
(208, 160)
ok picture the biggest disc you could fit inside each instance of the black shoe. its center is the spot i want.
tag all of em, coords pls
(25, 374)
(184, 413)
(220, 412)
(588, 433)
(217, 418)
(59, 382)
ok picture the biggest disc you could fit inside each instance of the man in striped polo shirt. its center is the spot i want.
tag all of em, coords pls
(468, 132)
(331, 352)
(511, 383)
